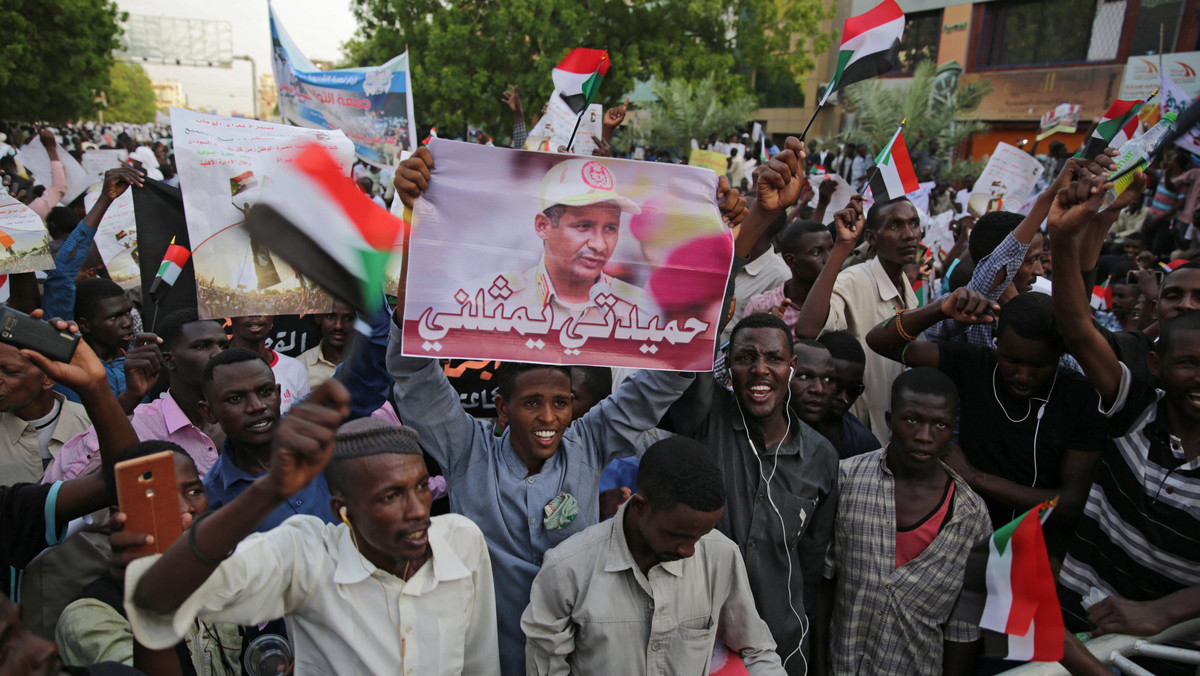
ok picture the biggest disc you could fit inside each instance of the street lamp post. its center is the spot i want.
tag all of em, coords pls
(253, 80)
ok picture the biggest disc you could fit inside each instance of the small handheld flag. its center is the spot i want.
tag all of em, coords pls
(577, 77)
(1009, 588)
(870, 44)
(329, 230)
(893, 176)
(172, 264)
(1102, 296)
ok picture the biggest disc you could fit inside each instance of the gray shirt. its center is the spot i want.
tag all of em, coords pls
(782, 527)
(490, 485)
(593, 611)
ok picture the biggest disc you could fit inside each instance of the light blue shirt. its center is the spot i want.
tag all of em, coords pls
(488, 482)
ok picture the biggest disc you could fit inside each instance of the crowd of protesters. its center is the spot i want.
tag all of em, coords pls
(806, 507)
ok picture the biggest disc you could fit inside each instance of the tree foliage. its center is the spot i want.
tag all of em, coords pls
(685, 111)
(55, 57)
(130, 95)
(464, 52)
(933, 106)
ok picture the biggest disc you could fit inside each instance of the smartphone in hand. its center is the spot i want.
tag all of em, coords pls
(149, 496)
(24, 332)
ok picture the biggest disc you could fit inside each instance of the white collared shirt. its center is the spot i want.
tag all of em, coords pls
(864, 296)
(344, 615)
(592, 611)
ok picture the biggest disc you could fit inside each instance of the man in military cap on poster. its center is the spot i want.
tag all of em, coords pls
(579, 225)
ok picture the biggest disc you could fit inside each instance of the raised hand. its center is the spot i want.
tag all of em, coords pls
(303, 443)
(779, 183)
(85, 371)
(602, 148)
(513, 100)
(117, 180)
(143, 363)
(412, 176)
(1077, 203)
(826, 190)
(613, 117)
(969, 307)
(849, 222)
(731, 203)
(47, 138)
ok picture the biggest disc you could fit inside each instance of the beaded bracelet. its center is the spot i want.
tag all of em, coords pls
(900, 327)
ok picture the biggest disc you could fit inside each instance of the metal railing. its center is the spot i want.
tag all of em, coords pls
(1116, 649)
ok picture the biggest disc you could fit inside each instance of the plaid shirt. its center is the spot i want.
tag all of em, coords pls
(519, 135)
(889, 620)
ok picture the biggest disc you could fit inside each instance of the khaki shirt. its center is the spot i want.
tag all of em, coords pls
(319, 368)
(533, 289)
(863, 297)
(593, 611)
(20, 454)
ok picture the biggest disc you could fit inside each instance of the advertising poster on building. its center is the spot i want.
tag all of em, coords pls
(552, 258)
(224, 163)
(373, 106)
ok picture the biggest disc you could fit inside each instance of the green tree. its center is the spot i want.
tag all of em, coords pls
(55, 57)
(685, 111)
(464, 52)
(933, 104)
(130, 95)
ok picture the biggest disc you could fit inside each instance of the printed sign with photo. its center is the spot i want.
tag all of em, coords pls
(552, 258)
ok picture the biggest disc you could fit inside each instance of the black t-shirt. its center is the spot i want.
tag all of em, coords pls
(995, 444)
(23, 533)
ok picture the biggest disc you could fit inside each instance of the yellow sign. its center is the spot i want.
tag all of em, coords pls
(709, 159)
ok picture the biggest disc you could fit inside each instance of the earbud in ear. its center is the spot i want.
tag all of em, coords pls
(342, 513)
(791, 372)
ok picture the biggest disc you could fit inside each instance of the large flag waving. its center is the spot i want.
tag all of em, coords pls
(1120, 124)
(870, 43)
(577, 77)
(327, 228)
(1009, 588)
(894, 175)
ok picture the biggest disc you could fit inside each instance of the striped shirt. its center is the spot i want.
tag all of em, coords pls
(889, 620)
(1139, 537)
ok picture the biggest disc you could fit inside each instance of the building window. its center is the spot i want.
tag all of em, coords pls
(922, 32)
(1035, 32)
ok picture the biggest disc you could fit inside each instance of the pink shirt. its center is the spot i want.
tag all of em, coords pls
(910, 543)
(54, 192)
(767, 301)
(159, 419)
(1190, 201)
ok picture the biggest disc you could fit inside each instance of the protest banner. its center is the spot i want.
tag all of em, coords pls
(116, 239)
(709, 159)
(23, 238)
(373, 106)
(546, 258)
(223, 165)
(1006, 181)
(1064, 118)
(96, 162)
(554, 129)
(939, 236)
(35, 158)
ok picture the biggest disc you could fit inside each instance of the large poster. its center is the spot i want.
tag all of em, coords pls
(24, 242)
(35, 158)
(552, 258)
(1006, 182)
(372, 106)
(223, 165)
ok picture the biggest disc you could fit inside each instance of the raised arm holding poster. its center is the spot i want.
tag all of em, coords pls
(35, 158)
(372, 106)
(223, 165)
(24, 242)
(539, 257)
(116, 239)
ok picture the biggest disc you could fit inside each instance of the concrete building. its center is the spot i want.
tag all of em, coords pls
(1036, 54)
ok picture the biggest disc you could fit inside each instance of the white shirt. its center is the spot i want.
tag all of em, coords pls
(863, 296)
(343, 613)
(758, 276)
(292, 378)
(593, 611)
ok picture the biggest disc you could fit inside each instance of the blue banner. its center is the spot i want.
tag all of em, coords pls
(372, 106)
